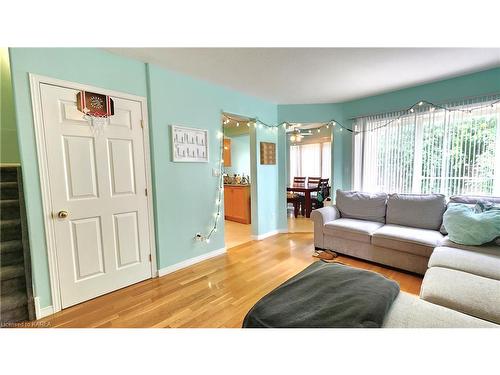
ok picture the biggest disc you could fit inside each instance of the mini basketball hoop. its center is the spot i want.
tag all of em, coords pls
(96, 109)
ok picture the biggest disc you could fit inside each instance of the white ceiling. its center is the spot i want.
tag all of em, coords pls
(318, 75)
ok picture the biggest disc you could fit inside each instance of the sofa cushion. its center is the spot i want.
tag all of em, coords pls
(362, 206)
(477, 263)
(416, 210)
(473, 199)
(489, 248)
(409, 311)
(352, 229)
(465, 292)
(410, 240)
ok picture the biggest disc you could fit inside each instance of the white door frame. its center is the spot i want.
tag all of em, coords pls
(41, 147)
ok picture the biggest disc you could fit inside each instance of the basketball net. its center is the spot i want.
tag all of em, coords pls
(97, 123)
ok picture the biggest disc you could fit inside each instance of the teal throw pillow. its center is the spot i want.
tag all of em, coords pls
(467, 227)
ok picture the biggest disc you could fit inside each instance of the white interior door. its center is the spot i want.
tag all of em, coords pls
(100, 181)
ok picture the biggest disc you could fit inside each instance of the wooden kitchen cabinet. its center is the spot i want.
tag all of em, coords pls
(237, 203)
(226, 155)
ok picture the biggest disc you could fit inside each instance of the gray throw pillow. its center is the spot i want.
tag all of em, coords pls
(423, 211)
(362, 206)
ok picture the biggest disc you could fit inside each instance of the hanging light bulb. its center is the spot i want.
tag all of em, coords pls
(420, 103)
(248, 124)
(237, 124)
(412, 110)
(327, 126)
(292, 138)
(319, 130)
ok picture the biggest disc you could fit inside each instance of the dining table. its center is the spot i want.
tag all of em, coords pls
(307, 189)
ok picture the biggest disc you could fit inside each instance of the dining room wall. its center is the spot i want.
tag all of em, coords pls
(341, 140)
(183, 193)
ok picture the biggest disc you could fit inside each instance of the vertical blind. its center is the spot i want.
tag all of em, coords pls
(430, 150)
(310, 160)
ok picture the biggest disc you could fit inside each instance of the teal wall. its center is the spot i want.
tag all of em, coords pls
(9, 151)
(481, 83)
(184, 194)
(240, 155)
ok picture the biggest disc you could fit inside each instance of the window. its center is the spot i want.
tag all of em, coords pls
(430, 151)
(310, 160)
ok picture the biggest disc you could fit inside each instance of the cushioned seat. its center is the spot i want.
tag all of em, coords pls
(490, 248)
(352, 229)
(409, 311)
(475, 262)
(410, 240)
(471, 294)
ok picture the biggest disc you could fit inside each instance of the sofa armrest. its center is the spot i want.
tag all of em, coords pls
(320, 217)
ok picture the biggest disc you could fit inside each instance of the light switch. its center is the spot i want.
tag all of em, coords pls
(215, 172)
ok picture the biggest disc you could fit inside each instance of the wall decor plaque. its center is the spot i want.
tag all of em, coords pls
(189, 144)
(267, 153)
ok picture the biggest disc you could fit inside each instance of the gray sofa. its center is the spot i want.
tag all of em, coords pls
(395, 230)
(405, 231)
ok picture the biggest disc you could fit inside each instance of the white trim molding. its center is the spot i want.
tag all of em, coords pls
(259, 237)
(190, 262)
(42, 312)
(41, 146)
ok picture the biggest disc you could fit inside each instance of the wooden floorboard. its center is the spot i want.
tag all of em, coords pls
(215, 293)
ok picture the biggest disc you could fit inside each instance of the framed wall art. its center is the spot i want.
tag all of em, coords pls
(189, 145)
(267, 153)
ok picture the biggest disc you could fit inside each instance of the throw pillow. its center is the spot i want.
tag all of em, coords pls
(467, 227)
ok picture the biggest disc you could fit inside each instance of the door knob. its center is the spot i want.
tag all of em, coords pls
(62, 214)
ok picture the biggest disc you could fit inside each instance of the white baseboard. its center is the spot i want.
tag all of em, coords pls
(265, 235)
(190, 262)
(42, 312)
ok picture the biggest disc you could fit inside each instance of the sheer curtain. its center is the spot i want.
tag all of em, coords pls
(430, 150)
(310, 160)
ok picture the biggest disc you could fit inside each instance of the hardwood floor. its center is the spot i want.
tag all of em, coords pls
(300, 225)
(236, 233)
(215, 293)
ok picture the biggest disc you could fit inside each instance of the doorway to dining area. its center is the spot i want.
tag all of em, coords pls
(237, 180)
(309, 157)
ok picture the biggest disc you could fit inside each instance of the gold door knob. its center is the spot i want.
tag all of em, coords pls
(62, 214)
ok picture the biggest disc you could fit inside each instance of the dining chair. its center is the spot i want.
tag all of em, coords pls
(313, 180)
(299, 181)
(296, 200)
(324, 189)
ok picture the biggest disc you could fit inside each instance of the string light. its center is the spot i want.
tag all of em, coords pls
(298, 136)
